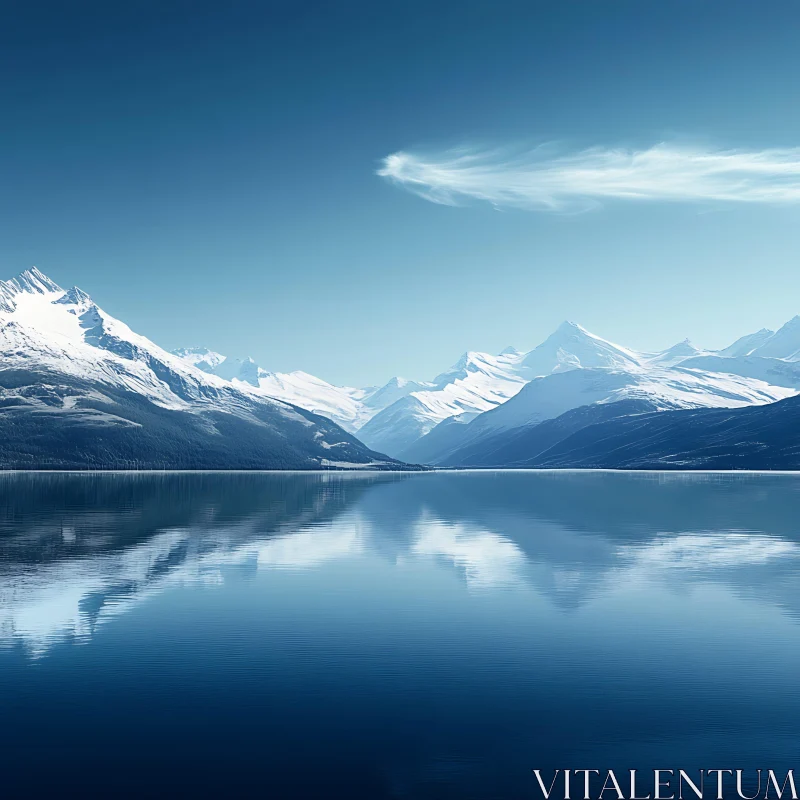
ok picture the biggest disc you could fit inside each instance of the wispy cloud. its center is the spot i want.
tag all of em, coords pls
(541, 179)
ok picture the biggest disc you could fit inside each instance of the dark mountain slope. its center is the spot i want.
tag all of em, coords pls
(80, 389)
(765, 437)
(519, 447)
(53, 421)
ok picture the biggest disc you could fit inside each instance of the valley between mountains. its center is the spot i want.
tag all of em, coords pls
(79, 389)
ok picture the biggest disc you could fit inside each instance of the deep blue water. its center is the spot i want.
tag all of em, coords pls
(392, 635)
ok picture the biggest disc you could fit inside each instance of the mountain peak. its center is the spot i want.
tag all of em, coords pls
(469, 359)
(571, 346)
(74, 297)
(200, 357)
(243, 369)
(684, 344)
(784, 343)
(31, 281)
(574, 332)
(746, 345)
(568, 326)
(675, 354)
(34, 280)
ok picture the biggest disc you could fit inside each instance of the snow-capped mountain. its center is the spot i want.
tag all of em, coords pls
(394, 416)
(477, 382)
(48, 329)
(762, 437)
(784, 343)
(675, 354)
(80, 388)
(481, 386)
(392, 391)
(243, 370)
(775, 371)
(342, 404)
(576, 368)
(571, 346)
(345, 405)
(423, 421)
(200, 357)
(746, 344)
(771, 356)
(548, 397)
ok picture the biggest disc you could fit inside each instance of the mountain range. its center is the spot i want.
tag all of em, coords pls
(475, 413)
(80, 389)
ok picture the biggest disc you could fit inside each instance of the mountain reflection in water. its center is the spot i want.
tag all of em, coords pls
(501, 590)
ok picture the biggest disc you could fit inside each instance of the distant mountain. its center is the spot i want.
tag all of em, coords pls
(477, 382)
(391, 392)
(633, 434)
(79, 389)
(551, 396)
(756, 437)
(481, 394)
(676, 354)
(432, 426)
(522, 448)
(476, 412)
(389, 416)
(571, 346)
(770, 356)
(395, 416)
(573, 367)
(442, 440)
(775, 371)
(200, 357)
(346, 406)
(342, 404)
(784, 343)
(746, 344)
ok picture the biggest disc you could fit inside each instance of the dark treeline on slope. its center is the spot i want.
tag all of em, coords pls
(520, 447)
(764, 437)
(51, 423)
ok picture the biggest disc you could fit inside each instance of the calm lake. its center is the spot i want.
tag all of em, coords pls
(433, 635)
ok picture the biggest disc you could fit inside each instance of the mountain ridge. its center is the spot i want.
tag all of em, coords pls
(402, 417)
(79, 388)
(86, 368)
(752, 437)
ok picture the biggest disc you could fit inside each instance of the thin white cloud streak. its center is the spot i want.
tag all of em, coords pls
(538, 180)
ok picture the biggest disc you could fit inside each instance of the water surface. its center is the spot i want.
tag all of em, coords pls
(431, 635)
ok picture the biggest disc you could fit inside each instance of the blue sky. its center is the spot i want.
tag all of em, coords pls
(208, 172)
